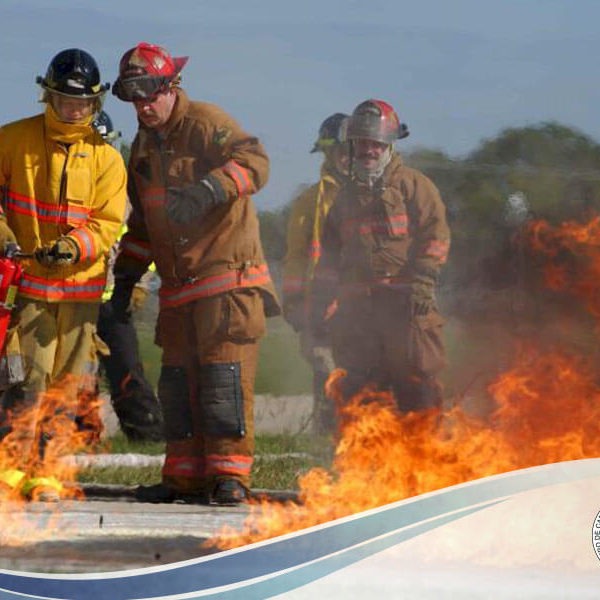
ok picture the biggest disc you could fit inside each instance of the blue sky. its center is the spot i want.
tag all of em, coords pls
(457, 71)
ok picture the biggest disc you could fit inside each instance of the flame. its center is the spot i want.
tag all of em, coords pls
(572, 258)
(548, 410)
(65, 420)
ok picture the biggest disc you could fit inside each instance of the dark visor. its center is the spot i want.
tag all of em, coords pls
(139, 88)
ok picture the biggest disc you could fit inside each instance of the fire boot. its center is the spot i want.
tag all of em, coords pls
(10, 483)
(162, 494)
(229, 492)
(42, 489)
(138, 410)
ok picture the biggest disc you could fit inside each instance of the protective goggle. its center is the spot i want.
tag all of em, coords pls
(140, 88)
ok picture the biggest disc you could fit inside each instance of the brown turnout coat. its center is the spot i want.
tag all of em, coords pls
(221, 252)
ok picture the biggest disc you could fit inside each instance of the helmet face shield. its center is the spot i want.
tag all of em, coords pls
(375, 120)
(140, 88)
(372, 127)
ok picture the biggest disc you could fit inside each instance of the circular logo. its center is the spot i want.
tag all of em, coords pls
(596, 535)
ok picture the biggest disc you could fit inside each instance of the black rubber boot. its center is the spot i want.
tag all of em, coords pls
(156, 494)
(162, 494)
(229, 492)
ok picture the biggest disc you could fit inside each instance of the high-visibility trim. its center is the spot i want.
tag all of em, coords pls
(184, 466)
(136, 248)
(314, 251)
(85, 242)
(232, 464)
(393, 225)
(438, 249)
(253, 276)
(43, 211)
(241, 177)
(154, 196)
(61, 289)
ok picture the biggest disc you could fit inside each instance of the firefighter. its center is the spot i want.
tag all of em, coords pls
(64, 196)
(384, 243)
(304, 230)
(131, 394)
(191, 175)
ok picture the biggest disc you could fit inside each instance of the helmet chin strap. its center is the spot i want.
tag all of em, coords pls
(370, 176)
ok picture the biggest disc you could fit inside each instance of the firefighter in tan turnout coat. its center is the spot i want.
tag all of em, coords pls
(384, 242)
(191, 173)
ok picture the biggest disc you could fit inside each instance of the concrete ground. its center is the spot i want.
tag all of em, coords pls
(101, 536)
(109, 531)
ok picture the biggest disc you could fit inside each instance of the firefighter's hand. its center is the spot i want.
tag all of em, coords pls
(190, 203)
(7, 236)
(138, 298)
(62, 252)
(422, 296)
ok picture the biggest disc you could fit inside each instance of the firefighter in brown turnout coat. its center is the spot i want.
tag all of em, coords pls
(191, 173)
(383, 244)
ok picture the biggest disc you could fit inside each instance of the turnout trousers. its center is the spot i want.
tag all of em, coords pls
(377, 341)
(58, 348)
(206, 388)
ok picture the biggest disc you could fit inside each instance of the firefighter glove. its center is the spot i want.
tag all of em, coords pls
(422, 296)
(187, 204)
(64, 251)
(7, 236)
(121, 299)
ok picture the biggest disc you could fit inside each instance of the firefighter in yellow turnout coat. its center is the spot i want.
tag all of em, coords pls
(64, 196)
(384, 243)
(192, 171)
(304, 231)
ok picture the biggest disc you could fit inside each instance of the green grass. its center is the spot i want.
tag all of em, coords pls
(279, 460)
(281, 369)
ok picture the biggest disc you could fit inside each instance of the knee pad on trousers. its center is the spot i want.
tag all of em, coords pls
(221, 400)
(174, 396)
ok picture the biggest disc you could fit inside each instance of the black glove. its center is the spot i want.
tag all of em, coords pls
(187, 204)
(121, 299)
(422, 296)
(64, 251)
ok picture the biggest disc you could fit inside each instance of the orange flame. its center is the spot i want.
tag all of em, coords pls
(572, 252)
(63, 421)
(383, 456)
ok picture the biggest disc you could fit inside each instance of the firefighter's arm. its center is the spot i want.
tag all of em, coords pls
(133, 259)
(432, 232)
(6, 233)
(295, 263)
(241, 162)
(325, 283)
(96, 236)
(432, 236)
(241, 168)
